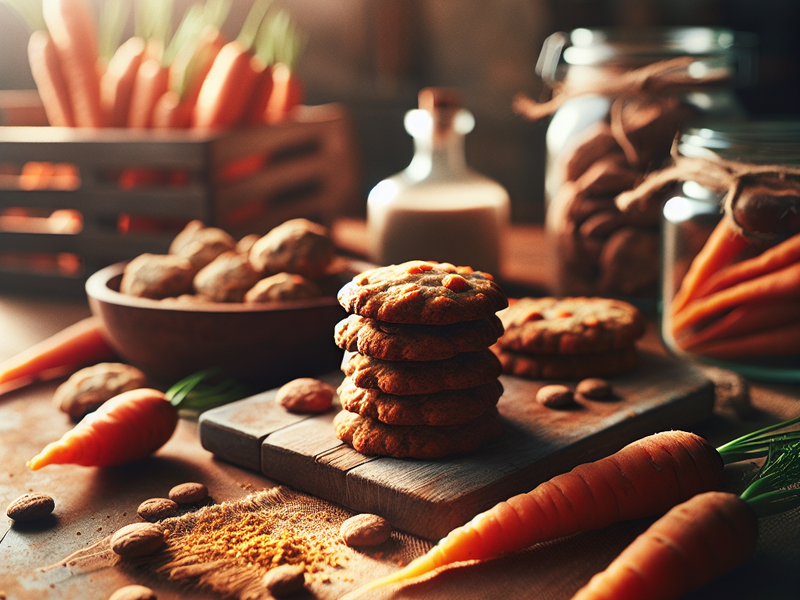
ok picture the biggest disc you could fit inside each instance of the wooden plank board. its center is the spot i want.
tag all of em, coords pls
(430, 497)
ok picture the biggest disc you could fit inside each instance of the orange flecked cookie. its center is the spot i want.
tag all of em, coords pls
(570, 325)
(421, 292)
(403, 378)
(449, 407)
(396, 341)
(369, 436)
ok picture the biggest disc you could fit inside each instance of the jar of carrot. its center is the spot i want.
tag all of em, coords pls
(619, 98)
(731, 248)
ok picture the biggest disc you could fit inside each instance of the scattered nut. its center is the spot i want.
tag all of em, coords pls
(306, 395)
(31, 507)
(156, 509)
(365, 530)
(594, 388)
(87, 389)
(284, 580)
(133, 592)
(137, 539)
(188, 493)
(554, 396)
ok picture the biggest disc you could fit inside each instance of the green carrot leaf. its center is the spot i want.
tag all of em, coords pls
(113, 19)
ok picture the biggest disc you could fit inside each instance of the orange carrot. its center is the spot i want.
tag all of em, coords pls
(72, 27)
(227, 88)
(170, 112)
(229, 84)
(691, 545)
(781, 284)
(128, 427)
(772, 259)
(76, 346)
(152, 81)
(254, 114)
(50, 81)
(783, 340)
(722, 247)
(193, 62)
(287, 94)
(645, 478)
(745, 319)
(116, 84)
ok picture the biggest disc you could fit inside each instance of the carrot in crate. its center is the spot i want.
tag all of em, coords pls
(49, 77)
(116, 84)
(72, 27)
(229, 84)
(287, 94)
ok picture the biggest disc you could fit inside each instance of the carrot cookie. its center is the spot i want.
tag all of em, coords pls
(373, 437)
(422, 292)
(568, 366)
(393, 341)
(403, 378)
(570, 325)
(449, 407)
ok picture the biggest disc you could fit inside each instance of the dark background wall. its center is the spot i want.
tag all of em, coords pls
(374, 56)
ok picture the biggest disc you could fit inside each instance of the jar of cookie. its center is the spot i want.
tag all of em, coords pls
(731, 248)
(619, 97)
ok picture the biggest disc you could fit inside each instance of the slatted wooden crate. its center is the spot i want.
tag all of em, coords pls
(245, 181)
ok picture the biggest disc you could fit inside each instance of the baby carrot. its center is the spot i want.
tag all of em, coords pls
(645, 478)
(772, 259)
(722, 247)
(692, 544)
(781, 284)
(72, 27)
(76, 346)
(49, 77)
(128, 427)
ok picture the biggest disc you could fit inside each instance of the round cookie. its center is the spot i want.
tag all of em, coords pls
(567, 366)
(403, 378)
(395, 341)
(570, 325)
(422, 292)
(373, 437)
(449, 407)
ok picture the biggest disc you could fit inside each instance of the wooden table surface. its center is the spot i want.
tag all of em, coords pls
(95, 502)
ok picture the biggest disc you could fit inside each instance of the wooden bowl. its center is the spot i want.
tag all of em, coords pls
(268, 344)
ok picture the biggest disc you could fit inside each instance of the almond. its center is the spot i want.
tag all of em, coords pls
(156, 509)
(137, 539)
(31, 507)
(365, 530)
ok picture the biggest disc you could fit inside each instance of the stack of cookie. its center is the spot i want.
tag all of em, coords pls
(421, 380)
(569, 338)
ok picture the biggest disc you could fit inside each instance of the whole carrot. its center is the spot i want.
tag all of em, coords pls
(116, 84)
(76, 346)
(772, 259)
(128, 427)
(781, 284)
(703, 538)
(692, 544)
(151, 82)
(72, 27)
(287, 94)
(746, 319)
(50, 81)
(722, 247)
(783, 340)
(645, 478)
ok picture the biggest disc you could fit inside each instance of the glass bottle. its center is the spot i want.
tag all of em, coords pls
(732, 317)
(438, 208)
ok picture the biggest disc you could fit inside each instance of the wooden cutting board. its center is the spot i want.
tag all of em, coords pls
(429, 498)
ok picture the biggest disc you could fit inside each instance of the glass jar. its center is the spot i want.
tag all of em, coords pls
(438, 208)
(731, 251)
(627, 93)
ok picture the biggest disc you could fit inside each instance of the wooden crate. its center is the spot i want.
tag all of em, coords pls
(245, 181)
